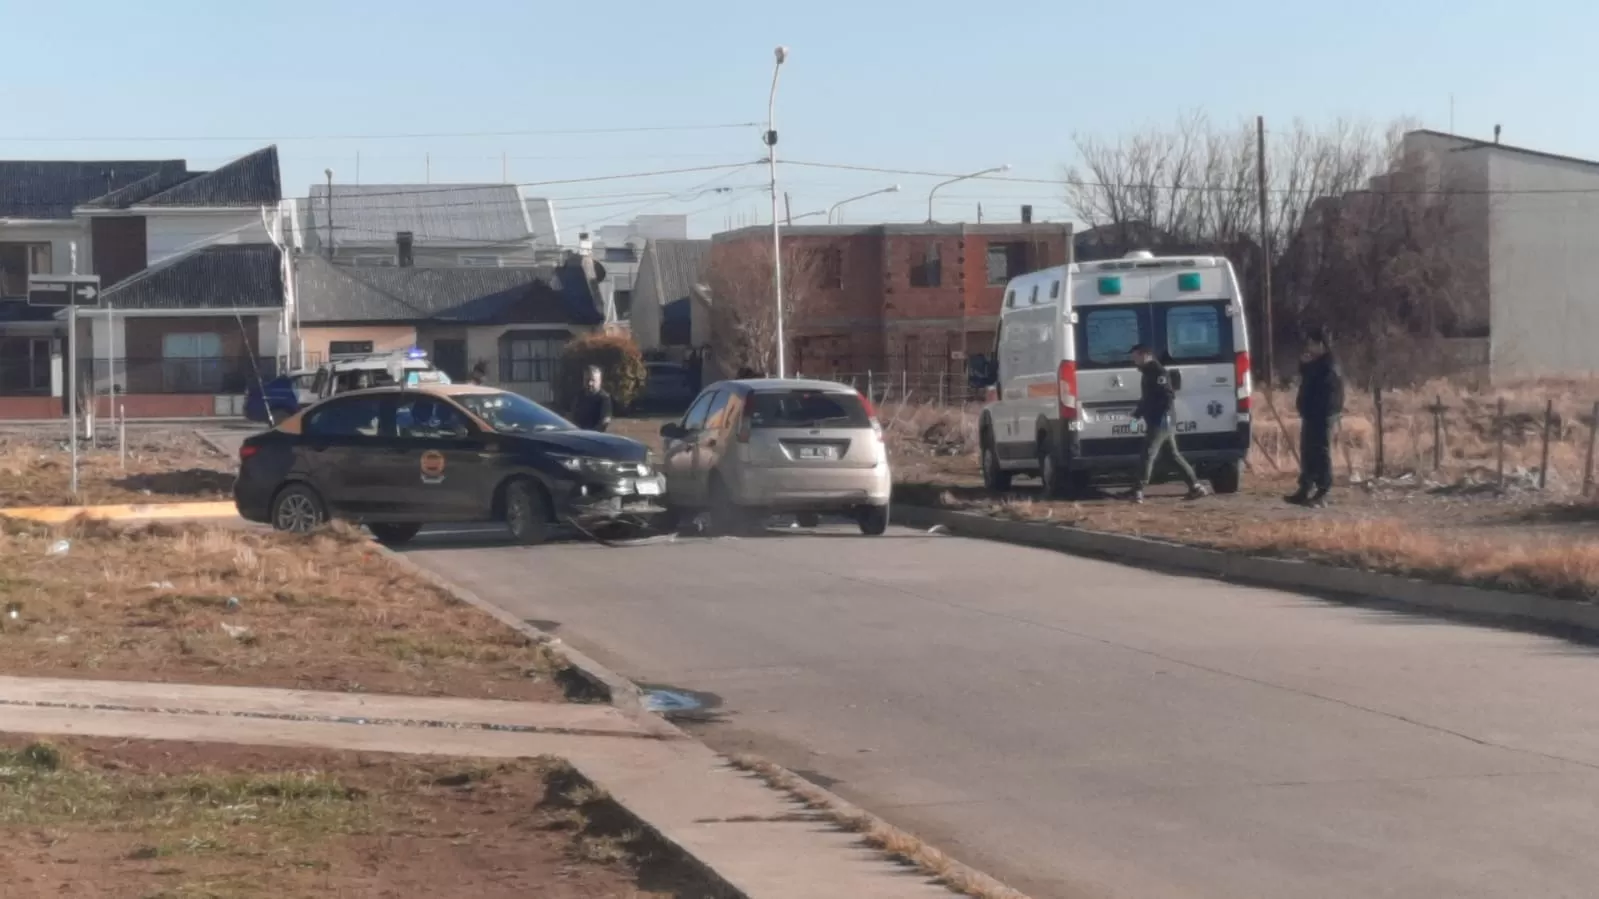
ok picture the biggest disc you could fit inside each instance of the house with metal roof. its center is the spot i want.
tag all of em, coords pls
(468, 225)
(670, 274)
(509, 321)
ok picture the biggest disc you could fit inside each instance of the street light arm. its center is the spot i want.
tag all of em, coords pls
(1000, 168)
(882, 190)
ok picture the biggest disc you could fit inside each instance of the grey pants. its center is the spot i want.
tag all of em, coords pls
(1161, 437)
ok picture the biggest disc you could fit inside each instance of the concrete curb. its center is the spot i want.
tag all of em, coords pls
(1499, 606)
(138, 511)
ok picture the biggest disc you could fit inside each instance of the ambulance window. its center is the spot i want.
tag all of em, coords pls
(1105, 335)
(1054, 290)
(1034, 300)
(1010, 300)
(1196, 333)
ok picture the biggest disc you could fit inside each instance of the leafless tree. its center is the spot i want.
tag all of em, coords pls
(743, 312)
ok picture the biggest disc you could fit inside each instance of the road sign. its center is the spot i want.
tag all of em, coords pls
(64, 290)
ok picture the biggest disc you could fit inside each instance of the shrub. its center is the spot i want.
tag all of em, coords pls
(616, 355)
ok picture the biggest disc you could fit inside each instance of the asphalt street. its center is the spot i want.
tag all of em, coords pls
(1080, 728)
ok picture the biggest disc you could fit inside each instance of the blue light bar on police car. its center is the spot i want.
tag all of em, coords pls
(416, 353)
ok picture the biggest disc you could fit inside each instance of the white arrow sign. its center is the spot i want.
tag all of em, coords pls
(88, 292)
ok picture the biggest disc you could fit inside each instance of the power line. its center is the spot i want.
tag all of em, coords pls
(544, 132)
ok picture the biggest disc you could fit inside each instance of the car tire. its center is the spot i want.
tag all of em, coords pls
(873, 520)
(394, 534)
(1227, 479)
(298, 509)
(995, 479)
(808, 519)
(527, 513)
(727, 518)
(1050, 475)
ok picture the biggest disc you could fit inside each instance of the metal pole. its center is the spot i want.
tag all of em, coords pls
(1543, 465)
(1437, 433)
(1269, 338)
(1499, 437)
(1587, 467)
(781, 54)
(122, 436)
(941, 184)
(1376, 398)
(72, 370)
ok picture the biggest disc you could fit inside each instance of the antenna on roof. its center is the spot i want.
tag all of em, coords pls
(1497, 129)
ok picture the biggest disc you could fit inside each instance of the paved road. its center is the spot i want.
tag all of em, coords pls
(1085, 729)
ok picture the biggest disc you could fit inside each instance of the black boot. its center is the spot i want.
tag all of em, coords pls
(1318, 500)
(1301, 497)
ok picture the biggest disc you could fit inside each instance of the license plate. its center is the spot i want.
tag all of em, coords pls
(1113, 415)
(649, 487)
(816, 452)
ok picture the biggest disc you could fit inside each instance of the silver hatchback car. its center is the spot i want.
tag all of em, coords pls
(750, 448)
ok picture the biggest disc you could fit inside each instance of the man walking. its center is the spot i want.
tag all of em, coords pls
(593, 410)
(1321, 404)
(1155, 402)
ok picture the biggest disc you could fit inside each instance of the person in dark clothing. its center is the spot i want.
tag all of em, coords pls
(1321, 404)
(593, 408)
(1155, 402)
(480, 373)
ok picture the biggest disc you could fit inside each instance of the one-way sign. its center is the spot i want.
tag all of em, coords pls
(64, 290)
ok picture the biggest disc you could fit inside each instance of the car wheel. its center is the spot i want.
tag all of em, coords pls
(527, 513)
(808, 519)
(394, 534)
(873, 520)
(1226, 479)
(1049, 473)
(726, 516)
(297, 509)
(996, 479)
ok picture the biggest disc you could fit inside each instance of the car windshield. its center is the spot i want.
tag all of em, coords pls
(510, 413)
(807, 409)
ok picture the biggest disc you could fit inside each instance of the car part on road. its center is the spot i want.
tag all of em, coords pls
(394, 534)
(298, 509)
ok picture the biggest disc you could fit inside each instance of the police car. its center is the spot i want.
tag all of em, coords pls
(397, 458)
(283, 396)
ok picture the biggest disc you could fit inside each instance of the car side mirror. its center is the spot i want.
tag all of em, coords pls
(673, 431)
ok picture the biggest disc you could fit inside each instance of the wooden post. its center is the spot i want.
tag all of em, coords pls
(1437, 433)
(1269, 338)
(1376, 398)
(1543, 465)
(1587, 467)
(1499, 438)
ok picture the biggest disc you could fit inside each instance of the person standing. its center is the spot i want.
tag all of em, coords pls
(1321, 405)
(1155, 406)
(593, 408)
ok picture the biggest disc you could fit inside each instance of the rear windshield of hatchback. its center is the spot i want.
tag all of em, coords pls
(807, 409)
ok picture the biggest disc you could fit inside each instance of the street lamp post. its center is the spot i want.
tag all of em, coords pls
(781, 56)
(893, 189)
(996, 169)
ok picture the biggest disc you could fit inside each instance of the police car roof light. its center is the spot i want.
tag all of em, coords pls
(416, 353)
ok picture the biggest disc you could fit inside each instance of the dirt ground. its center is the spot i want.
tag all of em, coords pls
(213, 605)
(108, 819)
(163, 466)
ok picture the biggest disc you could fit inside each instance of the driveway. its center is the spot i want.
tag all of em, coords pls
(1080, 728)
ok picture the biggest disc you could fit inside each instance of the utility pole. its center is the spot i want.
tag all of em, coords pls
(72, 369)
(781, 55)
(329, 173)
(1270, 334)
(788, 210)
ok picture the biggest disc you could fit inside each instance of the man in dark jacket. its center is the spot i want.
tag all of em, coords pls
(1155, 402)
(593, 408)
(1321, 403)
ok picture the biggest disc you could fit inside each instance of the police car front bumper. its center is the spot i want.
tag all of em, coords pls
(613, 498)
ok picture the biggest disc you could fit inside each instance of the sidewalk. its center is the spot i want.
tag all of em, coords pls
(755, 838)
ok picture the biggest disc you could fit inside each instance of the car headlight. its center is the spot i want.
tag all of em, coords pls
(586, 464)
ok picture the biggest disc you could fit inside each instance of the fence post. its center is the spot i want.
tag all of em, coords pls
(1376, 398)
(870, 395)
(1543, 465)
(1587, 466)
(1437, 433)
(1499, 438)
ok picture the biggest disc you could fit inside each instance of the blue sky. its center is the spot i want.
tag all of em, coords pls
(931, 85)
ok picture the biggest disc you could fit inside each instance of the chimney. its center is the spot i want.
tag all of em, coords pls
(402, 241)
(1027, 214)
(585, 246)
(1497, 129)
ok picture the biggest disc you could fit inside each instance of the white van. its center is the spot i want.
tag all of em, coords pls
(1061, 388)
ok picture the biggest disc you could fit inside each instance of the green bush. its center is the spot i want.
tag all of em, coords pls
(618, 358)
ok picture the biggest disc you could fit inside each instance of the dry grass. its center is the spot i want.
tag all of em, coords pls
(904, 848)
(102, 818)
(207, 604)
(162, 466)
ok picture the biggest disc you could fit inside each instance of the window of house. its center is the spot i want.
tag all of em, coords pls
(833, 268)
(479, 261)
(355, 416)
(530, 357)
(191, 363)
(349, 347)
(929, 272)
(624, 305)
(17, 262)
(375, 261)
(1006, 261)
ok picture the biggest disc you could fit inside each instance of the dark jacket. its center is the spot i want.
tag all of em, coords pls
(592, 411)
(1321, 389)
(1156, 397)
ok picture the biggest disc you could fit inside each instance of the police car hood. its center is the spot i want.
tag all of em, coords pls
(585, 443)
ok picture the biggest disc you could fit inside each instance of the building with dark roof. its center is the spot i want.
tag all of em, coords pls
(670, 272)
(478, 225)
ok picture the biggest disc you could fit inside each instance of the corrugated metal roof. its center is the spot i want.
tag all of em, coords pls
(51, 189)
(437, 213)
(670, 270)
(219, 276)
(537, 294)
(251, 180)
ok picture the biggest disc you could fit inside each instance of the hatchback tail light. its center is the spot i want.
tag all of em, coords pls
(1244, 381)
(1066, 384)
(871, 414)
